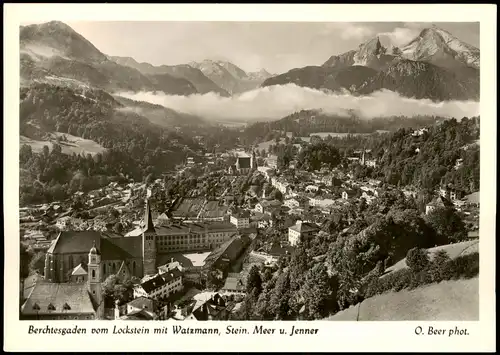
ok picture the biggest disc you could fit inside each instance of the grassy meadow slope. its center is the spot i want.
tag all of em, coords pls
(454, 300)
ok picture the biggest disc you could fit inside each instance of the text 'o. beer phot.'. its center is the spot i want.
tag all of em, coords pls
(249, 171)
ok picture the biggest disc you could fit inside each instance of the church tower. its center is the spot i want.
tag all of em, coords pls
(94, 280)
(363, 157)
(148, 243)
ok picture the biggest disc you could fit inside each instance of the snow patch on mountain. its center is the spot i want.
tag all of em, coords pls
(437, 45)
(36, 51)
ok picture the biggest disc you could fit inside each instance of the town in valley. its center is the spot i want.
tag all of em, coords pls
(134, 210)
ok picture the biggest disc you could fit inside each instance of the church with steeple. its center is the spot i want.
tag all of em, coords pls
(77, 263)
(66, 259)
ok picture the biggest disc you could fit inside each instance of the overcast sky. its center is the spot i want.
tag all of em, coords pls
(275, 46)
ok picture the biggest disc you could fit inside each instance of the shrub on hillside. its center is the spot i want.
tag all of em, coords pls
(417, 259)
(419, 278)
(438, 264)
(440, 269)
(465, 266)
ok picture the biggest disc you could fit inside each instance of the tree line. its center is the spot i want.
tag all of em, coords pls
(335, 269)
(135, 148)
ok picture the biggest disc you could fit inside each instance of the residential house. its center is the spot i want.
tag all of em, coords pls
(191, 267)
(321, 202)
(234, 284)
(374, 182)
(281, 185)
(160, 286)
(419, 132)
(162, 219)
(368, 196)
(439, 202)
(140, 315)
(296, 202)
(298, 147)
(240, 218)
(347, 194)
(140, 304)
(312, 188)
(173, 264)
(473, 234)
(450, 193)
(301, 230)
(215, 308)
(410, 193)
(371, 163)
(262, 220)
(472, 199)
(272, 161)
(281, 251)
(67, 222)
(327, 180)
(267, 206)
(264, 170)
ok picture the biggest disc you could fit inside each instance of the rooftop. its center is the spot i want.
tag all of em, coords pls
(58, 298)
(304, 227)
(75, 242)
(230, 249)
(234, 283)
(160, 280)
(440, 202)
(185, 259)
(473, 197)
(241, 214)
(140, 314)
(182, 228)
(79, 270)
(141, 303)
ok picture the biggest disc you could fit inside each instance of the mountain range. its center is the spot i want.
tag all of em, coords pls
(55, 49)
(202, 83)
(435, 65)
(230, 77)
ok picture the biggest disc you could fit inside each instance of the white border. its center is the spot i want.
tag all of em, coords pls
(332, 336)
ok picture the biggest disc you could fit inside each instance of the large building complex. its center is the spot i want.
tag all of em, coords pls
(136, 255)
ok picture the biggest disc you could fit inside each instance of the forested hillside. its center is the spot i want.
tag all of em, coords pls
(433, 157)
(305, 122)
(342, 264)
(445, 152)
(135, 147)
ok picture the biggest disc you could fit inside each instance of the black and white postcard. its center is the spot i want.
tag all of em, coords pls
(249, 177)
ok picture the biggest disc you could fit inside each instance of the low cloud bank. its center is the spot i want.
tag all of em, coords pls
(278, 101)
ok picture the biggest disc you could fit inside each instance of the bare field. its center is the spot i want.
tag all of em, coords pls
(73, 144)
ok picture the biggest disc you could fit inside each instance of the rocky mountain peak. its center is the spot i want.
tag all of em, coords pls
(373, 46)
(440, 47)
(57, 38)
